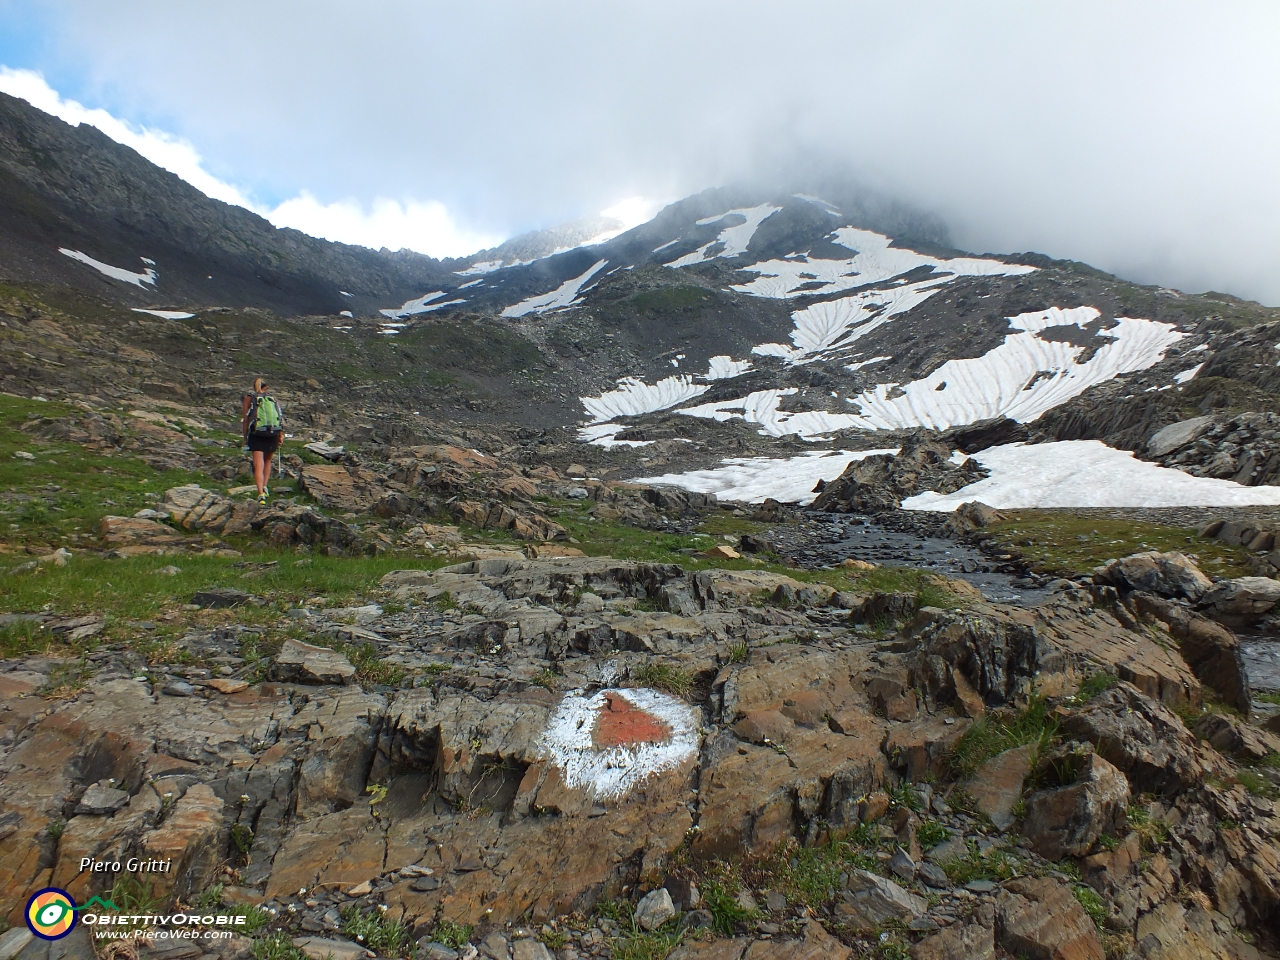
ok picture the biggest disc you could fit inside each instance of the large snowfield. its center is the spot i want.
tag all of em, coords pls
(1088, 473)
(1068, 473)
(562, 296)
(756, 479)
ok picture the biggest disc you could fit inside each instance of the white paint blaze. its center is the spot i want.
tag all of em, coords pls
(1087, 473)
(143, 279)
(736, 239)
(561, 296)
(755, 479)
(613, 772)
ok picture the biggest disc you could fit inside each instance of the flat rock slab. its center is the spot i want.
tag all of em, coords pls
(997, 784)
(299, 662)
(220, 598)
(318, 948)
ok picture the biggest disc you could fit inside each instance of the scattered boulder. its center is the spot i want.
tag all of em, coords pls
(1041, 919)
(1240, 602)
(1068, 820)
(342, 488)
(872, 901)
(102, 797)
(1162, 574)
(1235, 739)
(973, 437)
(970, 516)
(299, 662)
(880, 483)
(722, 552)
(220, 598)
(961, 941)
(654, 909)
(1164, 442)
(1141, 737)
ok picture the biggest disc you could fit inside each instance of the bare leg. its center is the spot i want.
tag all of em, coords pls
(266, 471)
(260, 465)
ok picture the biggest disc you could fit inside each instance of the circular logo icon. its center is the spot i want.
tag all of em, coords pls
(51, 913)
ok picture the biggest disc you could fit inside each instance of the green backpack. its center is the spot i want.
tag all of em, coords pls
(265, 418)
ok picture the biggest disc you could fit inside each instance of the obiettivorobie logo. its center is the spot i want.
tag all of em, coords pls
(51, 913)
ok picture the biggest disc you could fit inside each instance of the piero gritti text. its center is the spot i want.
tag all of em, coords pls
(132, 865)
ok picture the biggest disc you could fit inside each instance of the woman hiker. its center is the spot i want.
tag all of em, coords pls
(263, 428)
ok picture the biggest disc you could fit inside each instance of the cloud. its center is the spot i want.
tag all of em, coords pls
(1135, 136)
(425, 227)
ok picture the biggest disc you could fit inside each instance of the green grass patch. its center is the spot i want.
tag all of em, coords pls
(931, 833)
(996, 733)
(1093, 904)
(995, 865)
(276, 946)
(1095, 684)
(452, 934)
(1258, 785)
(666, 677)
(385, 937)
(1056, 542)
(1268, 697)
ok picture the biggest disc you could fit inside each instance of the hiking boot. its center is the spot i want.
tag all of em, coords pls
(262, 498)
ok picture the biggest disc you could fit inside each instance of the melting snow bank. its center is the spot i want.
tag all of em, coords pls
(1088, 473)
(755, 479)
(148, 276)
(561, 296)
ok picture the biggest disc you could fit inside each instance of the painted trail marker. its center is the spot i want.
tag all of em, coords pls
(613, 741)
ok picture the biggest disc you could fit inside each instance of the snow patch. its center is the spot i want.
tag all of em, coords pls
(485, 266)
(736, 239)
(1087, 473)
(874, 261)
(616, 771)
(1187, 375)
(755, 479)
(726, 368)
(561, 296)
(423, 304)
(634, 397)
(146, 277)
(165, 314)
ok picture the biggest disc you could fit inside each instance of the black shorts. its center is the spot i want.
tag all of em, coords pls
(264, 442)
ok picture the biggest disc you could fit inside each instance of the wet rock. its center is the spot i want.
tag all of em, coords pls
(871, 901)
(1042, 920)
(299, 662)
(654, 909)
(1162, 574)
(1068, 820)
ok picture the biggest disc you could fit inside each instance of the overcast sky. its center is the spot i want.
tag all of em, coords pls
(1143, 138)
